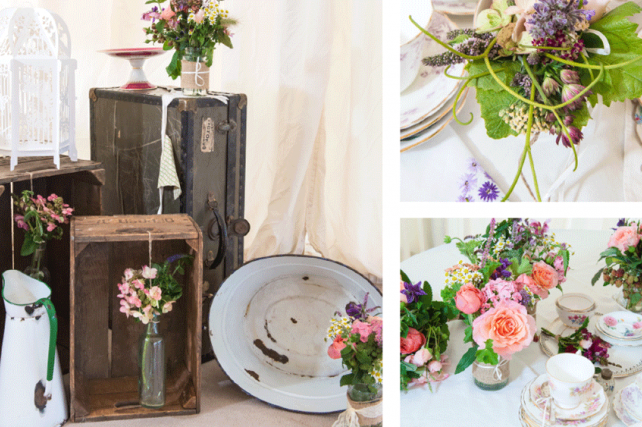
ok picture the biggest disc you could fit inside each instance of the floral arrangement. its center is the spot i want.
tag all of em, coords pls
(512, 266)
(40, 218)
(536, 64)
(200, 24)
(153, 290)
(585, 343)
(624, 262)
(424, 335)
(357, 341)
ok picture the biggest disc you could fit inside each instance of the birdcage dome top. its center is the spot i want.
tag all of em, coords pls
(33, 32)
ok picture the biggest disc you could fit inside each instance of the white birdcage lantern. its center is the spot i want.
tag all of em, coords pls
(37, 86)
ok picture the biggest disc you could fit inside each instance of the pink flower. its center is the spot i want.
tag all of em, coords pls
(167, 14)
(544, 277)
(125, 308)
(199, 16)
(155, 293)
(469, 299)
(168, 307)
(434, 366)
(377, 326)
(149, 273)
(334, 351)
(134, 300)
(51, 226)
(413, 342)
(440, 375)
(508, 325)
(403, 297)
(637, 325)
(609, 321)
(138, 284)
(586, 344)
(52, 197)
(559, 267)
(129, 273)
(420, 357)
(624, 237)
(21, 222)
(363, 329)
(124, 290)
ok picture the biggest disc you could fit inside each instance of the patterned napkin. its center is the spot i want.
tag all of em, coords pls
(167, 176)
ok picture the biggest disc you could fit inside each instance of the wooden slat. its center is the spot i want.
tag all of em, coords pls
(39, 167)
(1, 189)
(125, 228)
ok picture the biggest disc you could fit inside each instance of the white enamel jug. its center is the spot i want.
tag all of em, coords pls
(31, 388)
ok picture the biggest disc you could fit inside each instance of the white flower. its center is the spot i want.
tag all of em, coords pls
(149, 273)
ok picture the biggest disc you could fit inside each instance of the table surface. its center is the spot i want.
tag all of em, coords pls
(445, 405)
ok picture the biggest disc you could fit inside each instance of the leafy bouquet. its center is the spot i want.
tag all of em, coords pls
(624, 263)
(357, 341)
(197, 24)
(153, 290)
(512, 266)
(424, 334)
(535, 65)
(40, 218)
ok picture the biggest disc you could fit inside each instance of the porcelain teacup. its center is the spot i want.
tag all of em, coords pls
(413, 41)
(574, 308)
(570, 377)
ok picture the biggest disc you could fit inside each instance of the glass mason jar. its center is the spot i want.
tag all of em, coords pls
(360, 397)
(37, 269)
(195, 74)
(151, 380)
(491, 377)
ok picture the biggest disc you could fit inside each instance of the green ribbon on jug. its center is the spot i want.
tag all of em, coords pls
(53, 333)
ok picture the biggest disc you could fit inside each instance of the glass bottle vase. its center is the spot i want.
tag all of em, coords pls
(195, 74)
(38, 269)
(151, 380)
(491, 377)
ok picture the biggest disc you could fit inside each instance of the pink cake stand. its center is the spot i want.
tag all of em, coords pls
(136, 56)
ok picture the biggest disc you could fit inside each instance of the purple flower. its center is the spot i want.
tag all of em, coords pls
(412, 292)
(569, 77)
(550, 86)
(467, 182)
(175, 258)
(576, 137)
(621, 222)
(488, 192)
(474, 166)
(551, 16)
(359, 311)
(465, 198)
(502, 271)
(569, 92)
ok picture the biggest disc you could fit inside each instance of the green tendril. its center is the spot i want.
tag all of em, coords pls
(451, 76)
(463, 55)
(464, 86)
(593, 67)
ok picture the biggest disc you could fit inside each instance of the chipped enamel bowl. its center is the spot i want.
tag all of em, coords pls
(268, 322)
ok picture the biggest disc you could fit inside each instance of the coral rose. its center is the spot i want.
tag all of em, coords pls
(624, 237)
(508, 325)
(469, 299)
(334, 351)
(413, 342)
(545, 277)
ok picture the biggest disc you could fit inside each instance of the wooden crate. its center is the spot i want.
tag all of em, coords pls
(79, 183)
(104, 343)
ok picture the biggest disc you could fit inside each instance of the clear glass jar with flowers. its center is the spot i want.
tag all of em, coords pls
(193, 28)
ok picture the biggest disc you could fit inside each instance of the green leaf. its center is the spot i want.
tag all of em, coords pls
(487, 82)
(404, 277)
(491, 104)
(426, 299)
(610, 252)
(487, 354)
(635, 298)
(346, 380)
(468, 334)
(460, 38)
(28, 246)
(467, 359)
(226, 41)
(525, 267)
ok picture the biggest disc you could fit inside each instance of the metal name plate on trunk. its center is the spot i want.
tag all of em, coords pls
(207, 135)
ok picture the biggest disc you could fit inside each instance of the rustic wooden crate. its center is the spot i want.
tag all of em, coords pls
(79, 183)
(104, 343)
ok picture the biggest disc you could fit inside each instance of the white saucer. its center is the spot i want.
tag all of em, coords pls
(632, 400)
(616, 341)
(621, 412)
(624, 327)
(431, 89)
(455, 7)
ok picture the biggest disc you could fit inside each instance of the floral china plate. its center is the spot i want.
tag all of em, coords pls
(622, 325)
(592, 401)
(431, 89)
(537, 407)
(621, 411)
(455, 7)
(415, 130)
(632, 400)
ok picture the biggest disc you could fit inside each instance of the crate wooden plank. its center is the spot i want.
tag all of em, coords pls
(30, 168)
(123, 228)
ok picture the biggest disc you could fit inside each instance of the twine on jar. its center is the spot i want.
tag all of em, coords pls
(197, 72)
(350, 418)
(497, 373)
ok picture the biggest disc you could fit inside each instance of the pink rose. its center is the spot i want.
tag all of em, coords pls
(442, 375)
(334, 351)
(363, 329)
(508, 325)
(413, 342)
(434, 366)
(545, 278)
(420, 358)
(624, 237)
(469, 299)
(609, 321)
(403, 297)
(199, 16)
(637, 325)
(167, 14)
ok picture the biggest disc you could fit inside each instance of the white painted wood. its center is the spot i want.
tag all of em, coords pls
(37, 96)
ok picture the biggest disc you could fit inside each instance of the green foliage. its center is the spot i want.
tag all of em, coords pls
(487, 354)
(360, 358)
(467, 359)
(491, 104)
(597, 276)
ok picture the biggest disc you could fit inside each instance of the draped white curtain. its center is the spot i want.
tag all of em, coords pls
(420, 234)
(312, 73)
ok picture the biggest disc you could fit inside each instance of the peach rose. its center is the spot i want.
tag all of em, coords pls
(334, 351)
(413, 342)
(167, 14)
(624, 237)
(545, 277)
(469, 299)
(508, 325)
(420, 357)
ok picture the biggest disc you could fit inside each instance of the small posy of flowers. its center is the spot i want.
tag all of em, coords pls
(153, 290)
(512, 266)
(476, 185)
(41, 218)
(424, 335)
(357, 340)
(536, 65)
(200, 24)
(624, 262)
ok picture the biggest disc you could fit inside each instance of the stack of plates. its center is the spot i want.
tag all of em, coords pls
(621, 328)
(538, 409)
(628, 403)
(427, 104)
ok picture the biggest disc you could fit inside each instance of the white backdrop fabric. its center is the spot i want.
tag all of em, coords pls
(312, 74)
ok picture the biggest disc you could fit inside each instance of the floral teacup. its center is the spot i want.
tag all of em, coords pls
(574, 308)
(413, 41)
(570, 377)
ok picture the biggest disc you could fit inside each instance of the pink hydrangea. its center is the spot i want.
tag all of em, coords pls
(559, 267)
(363, 329)
(377, 326)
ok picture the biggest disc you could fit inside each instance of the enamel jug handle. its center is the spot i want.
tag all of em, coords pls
(53, 333)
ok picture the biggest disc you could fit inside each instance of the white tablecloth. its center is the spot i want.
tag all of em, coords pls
(457, 402)
(610, 167)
